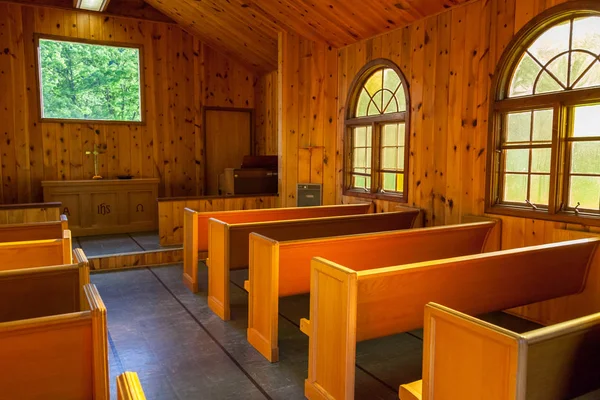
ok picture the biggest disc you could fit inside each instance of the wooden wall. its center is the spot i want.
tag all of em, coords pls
(265, 117)
(181, 75)
(308, 75)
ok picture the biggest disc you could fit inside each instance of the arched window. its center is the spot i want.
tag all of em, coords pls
(545, 122)
(377, 132)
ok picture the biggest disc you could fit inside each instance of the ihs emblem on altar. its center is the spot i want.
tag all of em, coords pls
(98, 149)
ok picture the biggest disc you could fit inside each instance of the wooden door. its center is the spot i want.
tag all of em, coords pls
(228, 139)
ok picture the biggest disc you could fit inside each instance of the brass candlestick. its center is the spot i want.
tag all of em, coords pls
(97, 150)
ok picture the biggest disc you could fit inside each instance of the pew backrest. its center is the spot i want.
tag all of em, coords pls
(371, 250)
(36, 253)
(65, 355)
(271, 214)
(464, 357)
(33, 231)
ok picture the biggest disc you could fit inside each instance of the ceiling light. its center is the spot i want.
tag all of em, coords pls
(91, 5)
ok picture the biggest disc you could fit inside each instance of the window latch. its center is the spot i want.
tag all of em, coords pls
(531, 204)
(577, 208)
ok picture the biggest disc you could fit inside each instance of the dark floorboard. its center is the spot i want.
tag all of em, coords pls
(181, 350)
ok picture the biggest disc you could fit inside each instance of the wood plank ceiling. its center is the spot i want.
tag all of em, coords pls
(247, 29)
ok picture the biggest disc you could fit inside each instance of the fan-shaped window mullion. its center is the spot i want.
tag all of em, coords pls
(545, 69)
(585, 71)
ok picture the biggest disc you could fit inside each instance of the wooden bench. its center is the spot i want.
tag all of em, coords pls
(34, 231)
(372, 303)
(36, 292)
(129, 387)
(466, 358)
(170, 211)
(57, 356)
(195, 237)
(36, 253)
(229, 243)
(282, 268)
(30, 212)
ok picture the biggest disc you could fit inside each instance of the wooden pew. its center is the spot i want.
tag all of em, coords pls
(36, 292)
(57, 356)
(372, 303)
(129, 387)
(466, 358)
(36, 253)
(30, 212)
(34, 231)
(195, 225)
(229, 243)
(282, 268)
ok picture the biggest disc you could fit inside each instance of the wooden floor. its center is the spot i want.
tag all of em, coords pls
(181, 350)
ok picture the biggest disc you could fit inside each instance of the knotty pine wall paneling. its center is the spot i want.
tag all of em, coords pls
(265, 116)
(181, 76)
(308, 78)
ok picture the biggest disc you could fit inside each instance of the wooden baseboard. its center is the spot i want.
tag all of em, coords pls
(136, 260)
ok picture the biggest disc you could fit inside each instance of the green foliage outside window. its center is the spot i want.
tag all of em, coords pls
(89, 81)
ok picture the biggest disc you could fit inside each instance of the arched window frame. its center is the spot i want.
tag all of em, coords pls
(376, 123)
(562, 103)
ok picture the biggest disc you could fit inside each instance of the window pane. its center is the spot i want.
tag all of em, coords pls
(401, 134)
(89, 81)
(585, 190)
(375, 82)
(540, 189)
(515, 188)
(517, 160)
(579, 64)
(519, 127)
(401, 96)
(540, 160)
(547, 84)
(360, 136)
(389, 182)
(591, 78)
(542, 125)
(400, 182)
(389, 158)
(369, 135)
(524, 77)
(586, 34)
(359, 182)
(551, 43)
(390, 135)
(401, 158)
(360, 158)
(585, 158)
(373, 109)
(391, 80)
(587, 121)
(389, 103)
(560, 68)
(363, 102)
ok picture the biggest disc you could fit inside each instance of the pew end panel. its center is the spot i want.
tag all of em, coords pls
(218, 268)
(129, 387)
(57, 357)
(467, 358)
(332, 327)
(84, 275)
(67, 247)
(476, 357)
(263, 296)
(190, 249)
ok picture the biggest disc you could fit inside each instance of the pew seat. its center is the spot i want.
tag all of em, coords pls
(36, 253)
(58, 355)
(467, 358)
(229, 243)
(129, 387)
(33, 231)
(372, 303)
(195, 226)
(282, 268)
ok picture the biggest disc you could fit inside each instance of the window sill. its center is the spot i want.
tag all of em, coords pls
(376, 196)
(569, 218)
